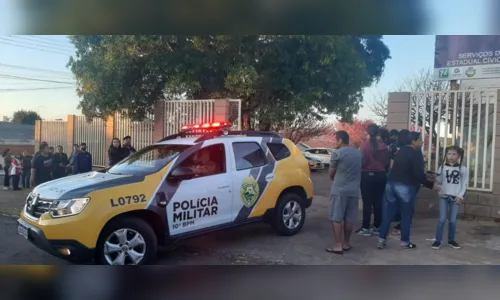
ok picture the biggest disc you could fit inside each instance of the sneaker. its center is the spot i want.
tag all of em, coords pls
(410, 246)
(454, 245)
(363, 232)
(436, 245)
(381, 245)
(375, 231)
(5, 188)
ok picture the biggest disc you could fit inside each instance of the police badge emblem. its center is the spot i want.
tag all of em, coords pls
(249, 191)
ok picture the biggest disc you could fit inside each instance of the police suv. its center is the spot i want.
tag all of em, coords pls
(204, 178)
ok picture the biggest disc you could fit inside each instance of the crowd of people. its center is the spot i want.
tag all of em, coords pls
(49, 163)
(389, 170)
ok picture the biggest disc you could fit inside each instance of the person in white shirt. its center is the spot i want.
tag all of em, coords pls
(454, 179)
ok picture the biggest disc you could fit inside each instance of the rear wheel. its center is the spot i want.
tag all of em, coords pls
(127, 241)
(289, 214)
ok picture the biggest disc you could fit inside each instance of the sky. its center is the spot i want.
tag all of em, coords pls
(51, 53)
(45, 58)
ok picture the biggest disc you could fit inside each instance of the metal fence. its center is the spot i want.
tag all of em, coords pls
(54, 133)
(94, 135)
(466, 118)
(141, 132)
(235, 113)
(181, 112)
(177, 113)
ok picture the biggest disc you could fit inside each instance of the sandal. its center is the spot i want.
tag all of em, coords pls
(334, 251)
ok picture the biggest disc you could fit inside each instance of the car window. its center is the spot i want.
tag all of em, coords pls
(248, 155)
(148, 160)
(279, 151)
(207, 161)
(323, 151)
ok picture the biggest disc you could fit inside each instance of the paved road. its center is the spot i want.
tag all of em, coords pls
(258, 244)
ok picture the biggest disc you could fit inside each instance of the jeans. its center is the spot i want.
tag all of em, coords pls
(15, 182)
(372, 192)
(397, 218)
(26, 179)
(448, 209)
(402, 196)
(6, 178)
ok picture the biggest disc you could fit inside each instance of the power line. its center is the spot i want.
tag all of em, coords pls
(48, 39)
(35, 89)
(8, 42)
(33, 79)
(36, 69)
(41, 43)
(31, 44)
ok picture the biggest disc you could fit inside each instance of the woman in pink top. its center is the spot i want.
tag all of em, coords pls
(373, 179)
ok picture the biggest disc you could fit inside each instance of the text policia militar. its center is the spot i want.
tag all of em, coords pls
(475, 58)
(186, 212)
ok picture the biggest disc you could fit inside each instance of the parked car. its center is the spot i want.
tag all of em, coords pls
(323, 154)
(314, 163)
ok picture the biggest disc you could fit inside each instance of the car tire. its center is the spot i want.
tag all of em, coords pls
(132, 225)
(285, 202)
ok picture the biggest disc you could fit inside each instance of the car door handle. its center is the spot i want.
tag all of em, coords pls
(269, 177)
(223, 186)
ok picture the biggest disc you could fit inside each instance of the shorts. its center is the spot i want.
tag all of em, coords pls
(344, 208)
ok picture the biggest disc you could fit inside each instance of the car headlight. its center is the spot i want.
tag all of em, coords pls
(65, 208)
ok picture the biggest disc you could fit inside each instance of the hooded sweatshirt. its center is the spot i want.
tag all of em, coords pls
(375, 160)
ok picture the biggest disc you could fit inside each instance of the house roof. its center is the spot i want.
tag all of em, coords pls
(10, 131)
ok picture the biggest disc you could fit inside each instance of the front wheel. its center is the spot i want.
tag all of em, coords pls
(289, 215)
(128, 241)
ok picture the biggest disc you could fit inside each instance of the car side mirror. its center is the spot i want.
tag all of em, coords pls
(181, 173)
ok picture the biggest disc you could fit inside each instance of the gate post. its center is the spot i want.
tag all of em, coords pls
(159, 121)
(38, 134)
(70, 133)
(398, 110)
(110, 134)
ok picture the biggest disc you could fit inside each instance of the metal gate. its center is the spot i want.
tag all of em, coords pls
(94, 135)
(180, 112)
(141, 132)
(464, 118)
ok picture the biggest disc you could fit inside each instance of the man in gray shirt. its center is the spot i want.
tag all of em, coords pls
(345, 171)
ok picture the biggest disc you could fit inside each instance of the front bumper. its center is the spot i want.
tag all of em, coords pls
(316, 166)
(78, 253)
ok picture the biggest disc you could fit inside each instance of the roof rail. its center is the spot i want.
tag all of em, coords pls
(218, 133)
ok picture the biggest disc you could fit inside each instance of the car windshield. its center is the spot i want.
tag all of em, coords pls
(148, 160)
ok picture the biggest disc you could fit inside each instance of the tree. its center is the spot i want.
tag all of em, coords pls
(271, 74)
(27, 117)
(5, 119)
(357, 131)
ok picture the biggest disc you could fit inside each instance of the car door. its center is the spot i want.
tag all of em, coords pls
(325, 156)
(253, 171)
(202, 202)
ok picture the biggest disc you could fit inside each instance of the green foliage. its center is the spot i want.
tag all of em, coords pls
(272, 74)
(27, 117)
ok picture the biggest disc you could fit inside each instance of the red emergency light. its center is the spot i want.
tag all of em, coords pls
(206, 126)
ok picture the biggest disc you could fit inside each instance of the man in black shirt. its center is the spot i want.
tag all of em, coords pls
(41, 171)
(127, 146)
